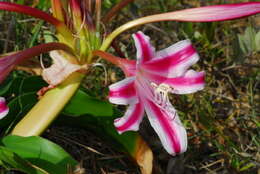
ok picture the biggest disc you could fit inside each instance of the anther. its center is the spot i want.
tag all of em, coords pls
(162, 100)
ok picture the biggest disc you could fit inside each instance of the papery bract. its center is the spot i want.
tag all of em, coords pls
(60, 69)
(7, 63)
(3, 108)
(155, 75)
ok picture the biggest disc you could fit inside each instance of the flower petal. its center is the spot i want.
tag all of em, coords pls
(3, 108)
(174, 60)
(145, 50)
(123, 92)
(168, 127)
(190, 82)
(131, 120)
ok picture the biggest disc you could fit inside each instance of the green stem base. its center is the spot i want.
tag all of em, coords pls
(48, 107)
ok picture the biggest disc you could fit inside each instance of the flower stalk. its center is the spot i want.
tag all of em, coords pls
(48, 107)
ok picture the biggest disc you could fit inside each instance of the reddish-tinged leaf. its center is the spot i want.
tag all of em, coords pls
(61, 27)
(114, 11)
(57, 10)
(29, 11)
(98, 13)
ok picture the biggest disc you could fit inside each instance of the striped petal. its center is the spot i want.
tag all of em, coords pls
(168, 127)
(123, 92)
(3, 108)
(190, 82)
(131, 120)
(174, 60)
(145, 50)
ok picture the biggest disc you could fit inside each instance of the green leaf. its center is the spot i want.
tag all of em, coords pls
(24, 90)
(247, 166)
(32, 84)
(128, 139)
(4, 88)
(9, 159)
(10, 86)
(48, 36)
(41, 152)
(36, 33)
(257, 41)
(18, 106)
(16, 85)
(249, 38)
(82, 104)
(188, 28)
(249, 41)
(103, 127)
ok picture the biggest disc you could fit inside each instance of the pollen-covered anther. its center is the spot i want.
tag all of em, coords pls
(161, 93)
(161, 97)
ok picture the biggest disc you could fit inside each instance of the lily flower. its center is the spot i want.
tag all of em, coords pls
(149, 80)
(3, 108)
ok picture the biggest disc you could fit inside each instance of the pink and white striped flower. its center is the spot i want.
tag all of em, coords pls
(152, 77)
(3, 108)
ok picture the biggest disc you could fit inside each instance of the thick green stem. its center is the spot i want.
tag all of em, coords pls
(48, 107)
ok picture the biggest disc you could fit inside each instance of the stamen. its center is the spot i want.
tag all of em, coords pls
(77, 34)
(41, 62)
(162, 100)
(82, 25)
(105, 70)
